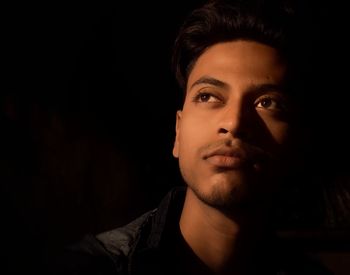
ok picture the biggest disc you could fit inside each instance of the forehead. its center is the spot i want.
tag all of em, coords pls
(240, 60)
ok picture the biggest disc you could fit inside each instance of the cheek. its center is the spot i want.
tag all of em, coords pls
(189, 133)
(279, 131)
(192, 135)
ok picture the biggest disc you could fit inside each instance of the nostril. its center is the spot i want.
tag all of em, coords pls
(223, 131)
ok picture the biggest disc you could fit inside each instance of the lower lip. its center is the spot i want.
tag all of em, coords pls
(225, 161)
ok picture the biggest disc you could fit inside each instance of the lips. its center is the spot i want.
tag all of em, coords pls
(226, 158)
(229, 162)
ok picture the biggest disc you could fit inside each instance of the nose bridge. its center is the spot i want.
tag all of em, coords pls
(233, 116)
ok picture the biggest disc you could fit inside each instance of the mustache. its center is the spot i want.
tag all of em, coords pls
(238, 148)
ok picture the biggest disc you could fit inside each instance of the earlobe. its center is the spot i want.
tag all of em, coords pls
(177, 129)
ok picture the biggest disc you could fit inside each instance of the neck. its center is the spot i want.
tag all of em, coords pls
(224, 243)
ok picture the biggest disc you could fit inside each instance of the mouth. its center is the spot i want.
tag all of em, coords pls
(224, 161)
(227, 158)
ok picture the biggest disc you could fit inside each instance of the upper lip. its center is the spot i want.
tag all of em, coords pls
(226, 151)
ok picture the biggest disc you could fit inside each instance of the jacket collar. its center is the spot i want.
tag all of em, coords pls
(161, 225)
(167, 217)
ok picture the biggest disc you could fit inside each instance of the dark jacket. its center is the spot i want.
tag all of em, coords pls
(153, 244)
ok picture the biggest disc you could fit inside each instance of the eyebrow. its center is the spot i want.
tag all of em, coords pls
(211, 81)
(258, 89)
(264, 88)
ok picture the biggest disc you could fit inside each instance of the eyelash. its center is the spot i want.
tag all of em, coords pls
(197, 98)
(279, 104)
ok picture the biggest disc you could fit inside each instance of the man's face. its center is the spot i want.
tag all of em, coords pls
(233, 128)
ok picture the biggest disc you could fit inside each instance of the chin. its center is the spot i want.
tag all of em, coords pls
(224, 192)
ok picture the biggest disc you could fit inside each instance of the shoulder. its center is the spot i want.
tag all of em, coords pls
(87, 256)
(293, 260)
(103, 254)
(120, 241)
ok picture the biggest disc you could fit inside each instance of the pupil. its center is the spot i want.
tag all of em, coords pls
(204, 97)
(266, 102)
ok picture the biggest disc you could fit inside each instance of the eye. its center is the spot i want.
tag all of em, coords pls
(266, 103)
(269, 103)
(204, 97)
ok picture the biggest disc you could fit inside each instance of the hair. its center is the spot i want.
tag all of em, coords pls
(270, 22)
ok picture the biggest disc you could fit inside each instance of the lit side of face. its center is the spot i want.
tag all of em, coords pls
(233, 127)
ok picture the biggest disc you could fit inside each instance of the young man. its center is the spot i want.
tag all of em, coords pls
(235, 139)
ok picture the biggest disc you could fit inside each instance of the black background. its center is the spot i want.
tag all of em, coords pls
(88, 117)
(87, 120)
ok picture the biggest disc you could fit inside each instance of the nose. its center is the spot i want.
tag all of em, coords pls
(236, 120)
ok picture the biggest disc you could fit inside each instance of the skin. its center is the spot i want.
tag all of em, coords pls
(231, 136)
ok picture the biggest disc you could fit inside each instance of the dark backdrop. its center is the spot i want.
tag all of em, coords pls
(88, 119)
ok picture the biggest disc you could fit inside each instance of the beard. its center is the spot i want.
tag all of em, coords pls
(249, 187)
(223, 198)
(232, 191)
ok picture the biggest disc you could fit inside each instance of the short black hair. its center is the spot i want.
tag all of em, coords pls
(273, 23)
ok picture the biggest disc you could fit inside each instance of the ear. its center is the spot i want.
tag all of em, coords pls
(177, 129)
